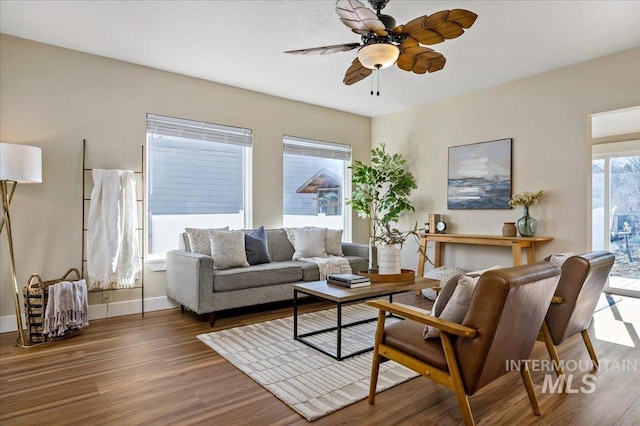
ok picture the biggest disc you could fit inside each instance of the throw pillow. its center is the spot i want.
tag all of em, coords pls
(560, 258)
(256, 248)
(309, 242)
(333, 243)
(227, 249)
(290, 235)
(199, 240)
(445, 294)
(442, 274)
(458, 305)
(453, 302)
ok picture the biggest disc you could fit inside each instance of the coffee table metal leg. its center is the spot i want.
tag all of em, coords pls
(339, 333)
(295, 314)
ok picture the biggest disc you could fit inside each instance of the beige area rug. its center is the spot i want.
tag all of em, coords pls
(308, 381)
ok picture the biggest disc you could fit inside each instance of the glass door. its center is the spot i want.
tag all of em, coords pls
(616, 217)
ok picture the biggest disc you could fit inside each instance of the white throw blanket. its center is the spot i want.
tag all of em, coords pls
(330, 265)
(113, 254)
(67, 307)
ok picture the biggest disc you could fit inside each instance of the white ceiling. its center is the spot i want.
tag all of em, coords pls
(241, 43)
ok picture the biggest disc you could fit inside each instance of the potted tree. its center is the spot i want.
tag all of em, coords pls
(381, 192)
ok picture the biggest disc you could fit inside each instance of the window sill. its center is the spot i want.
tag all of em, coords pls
(156, 265)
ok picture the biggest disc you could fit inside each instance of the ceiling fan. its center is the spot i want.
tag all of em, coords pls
(384, 44)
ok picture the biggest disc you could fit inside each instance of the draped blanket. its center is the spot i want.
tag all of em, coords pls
(67, 307)
(113, 254)
(330, 265)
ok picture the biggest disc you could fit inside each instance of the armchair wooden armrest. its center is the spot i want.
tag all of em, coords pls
(421, 316)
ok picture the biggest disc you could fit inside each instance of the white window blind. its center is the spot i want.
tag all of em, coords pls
(314, 148)
(199, 130)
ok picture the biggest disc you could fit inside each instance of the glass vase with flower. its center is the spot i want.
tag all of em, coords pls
(527, 225)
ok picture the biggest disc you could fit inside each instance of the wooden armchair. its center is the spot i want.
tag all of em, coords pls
(504, 317)
(581, 282)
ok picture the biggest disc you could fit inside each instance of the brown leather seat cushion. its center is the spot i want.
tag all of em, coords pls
(406, 336)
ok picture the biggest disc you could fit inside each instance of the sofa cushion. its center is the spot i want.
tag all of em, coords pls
(280, 249)
(310, 271)
(357, 263)
(309, 242)
(256, 276)
(199, 240)
(227, 249)
(255, 247)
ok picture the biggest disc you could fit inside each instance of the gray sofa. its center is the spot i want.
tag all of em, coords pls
(193, 282)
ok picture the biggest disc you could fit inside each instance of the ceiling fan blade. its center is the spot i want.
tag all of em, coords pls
(438, 27)
(420, 59)
(359, 18)
(356, 72)
(325, 50)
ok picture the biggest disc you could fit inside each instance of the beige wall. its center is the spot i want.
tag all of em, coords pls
(54, 98)
(547, 117)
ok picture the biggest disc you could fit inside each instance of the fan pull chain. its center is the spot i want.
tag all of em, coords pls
(371, 81)
(377, 71)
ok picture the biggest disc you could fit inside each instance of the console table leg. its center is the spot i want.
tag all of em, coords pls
(531, 253)
(517, 253)
(437, 254)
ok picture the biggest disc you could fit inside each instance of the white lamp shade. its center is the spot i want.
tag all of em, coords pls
(378, 55)
(20, 163)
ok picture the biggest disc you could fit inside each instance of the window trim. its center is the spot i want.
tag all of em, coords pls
(296, 145)
(204, 131)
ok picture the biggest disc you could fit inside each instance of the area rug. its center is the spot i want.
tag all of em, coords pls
(310, 382)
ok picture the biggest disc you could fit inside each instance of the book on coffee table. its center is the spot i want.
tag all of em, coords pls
(349, 278)
(347, 284)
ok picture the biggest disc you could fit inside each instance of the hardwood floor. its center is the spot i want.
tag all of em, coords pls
(153, 370)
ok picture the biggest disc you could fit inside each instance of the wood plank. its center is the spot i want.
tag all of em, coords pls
(131, 370)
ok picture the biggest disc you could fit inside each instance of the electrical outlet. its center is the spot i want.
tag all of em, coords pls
(106, 297)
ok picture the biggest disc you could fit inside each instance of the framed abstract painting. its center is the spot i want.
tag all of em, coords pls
(479, 176)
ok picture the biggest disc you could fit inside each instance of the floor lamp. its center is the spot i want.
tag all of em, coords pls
(18, 164)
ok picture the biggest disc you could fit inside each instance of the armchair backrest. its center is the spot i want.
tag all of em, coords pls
(581, 281)
(507, 308)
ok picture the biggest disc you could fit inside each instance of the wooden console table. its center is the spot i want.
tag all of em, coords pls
(516, 244)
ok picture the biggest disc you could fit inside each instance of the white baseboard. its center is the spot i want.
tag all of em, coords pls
(105, 310)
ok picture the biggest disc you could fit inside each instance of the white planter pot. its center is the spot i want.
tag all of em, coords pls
(388, 260)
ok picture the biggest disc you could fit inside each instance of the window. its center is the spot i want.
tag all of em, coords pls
(615, 216)
(197, 176)
(316, 178)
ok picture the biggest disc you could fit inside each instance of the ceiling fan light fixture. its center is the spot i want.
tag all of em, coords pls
(378, 55)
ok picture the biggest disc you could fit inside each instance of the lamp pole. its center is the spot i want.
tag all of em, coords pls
(7, 195)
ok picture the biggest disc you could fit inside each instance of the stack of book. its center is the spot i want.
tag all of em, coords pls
(348, 280)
